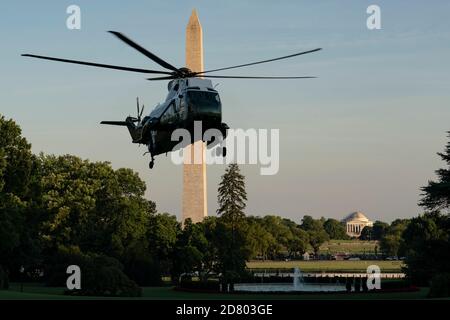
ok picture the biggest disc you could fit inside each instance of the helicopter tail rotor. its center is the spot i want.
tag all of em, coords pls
(140, 110)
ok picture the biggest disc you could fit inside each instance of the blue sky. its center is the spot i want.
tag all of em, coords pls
(363, 136)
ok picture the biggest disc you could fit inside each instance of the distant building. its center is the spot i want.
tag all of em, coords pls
(355, 223)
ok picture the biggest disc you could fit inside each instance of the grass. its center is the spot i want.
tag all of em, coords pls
(328, 265)
(39, 292)
(349, 246)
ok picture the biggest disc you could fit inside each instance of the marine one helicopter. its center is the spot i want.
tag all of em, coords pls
(191, 97)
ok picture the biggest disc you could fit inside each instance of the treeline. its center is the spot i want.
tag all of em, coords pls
(56, 211)
(61, 210)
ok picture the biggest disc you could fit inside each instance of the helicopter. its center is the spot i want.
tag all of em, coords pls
(191, 97)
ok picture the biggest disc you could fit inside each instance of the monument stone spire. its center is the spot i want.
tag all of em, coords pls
(194, 204)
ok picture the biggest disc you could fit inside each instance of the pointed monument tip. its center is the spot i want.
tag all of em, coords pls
(194, 17)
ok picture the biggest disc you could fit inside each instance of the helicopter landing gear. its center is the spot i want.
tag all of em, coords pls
(151, 164)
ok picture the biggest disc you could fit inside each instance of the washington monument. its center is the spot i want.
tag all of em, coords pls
(194, 175)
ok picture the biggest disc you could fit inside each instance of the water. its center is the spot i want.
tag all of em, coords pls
(287, 287)
(298, 284)
(298, 278)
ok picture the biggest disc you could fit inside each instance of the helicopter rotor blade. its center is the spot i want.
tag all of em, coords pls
(233, 77)
(163, 78)
(144, 51)
(245, 77)
(93, 64)
(258, 62)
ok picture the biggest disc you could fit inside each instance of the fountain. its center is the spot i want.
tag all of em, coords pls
(298, 278)
(298, 285)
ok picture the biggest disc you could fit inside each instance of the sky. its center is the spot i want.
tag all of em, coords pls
(363, 136)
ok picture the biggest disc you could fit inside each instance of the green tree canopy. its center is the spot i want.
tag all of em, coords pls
(335, 229)
(426, 242)
(379, 230)
(436, 195)
(16, 164)
(230, 237)
(316, 232)
(392, 241)
(232, 196)
(90, 205)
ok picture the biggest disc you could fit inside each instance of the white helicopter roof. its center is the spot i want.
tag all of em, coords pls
(202, 84)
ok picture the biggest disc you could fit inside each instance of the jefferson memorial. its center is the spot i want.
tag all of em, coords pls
(355, 223)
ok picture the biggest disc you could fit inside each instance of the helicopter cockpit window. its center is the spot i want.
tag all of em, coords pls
(205, 101)
(175, 88)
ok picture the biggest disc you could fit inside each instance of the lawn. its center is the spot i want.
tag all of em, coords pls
(37, 292)
(349, 246)
(328, 265)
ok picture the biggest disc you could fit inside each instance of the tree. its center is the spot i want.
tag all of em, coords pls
(230, 227)
(163, 230)
(232, 195)
(232, 254)
(317, 238)
(335, 229)
(259, 241)
(16, 164)
(194, 251)
(426, 242)
(299, 242)
(391, 242)
(316, 232)
(92, 206)
(16, 159)
(280, 231)
(308, 223)
(366, 233)
(436, 195)
(379, 230)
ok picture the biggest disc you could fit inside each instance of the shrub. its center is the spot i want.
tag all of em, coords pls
(143, 270)
(440, 286)
(56, 266)
(4, 282)
(100, 275)
(103, 276)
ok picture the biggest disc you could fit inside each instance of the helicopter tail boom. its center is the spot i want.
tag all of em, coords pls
(135, 131)
(115, 123)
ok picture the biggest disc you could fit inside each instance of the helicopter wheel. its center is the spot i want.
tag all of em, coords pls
(151, 164)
